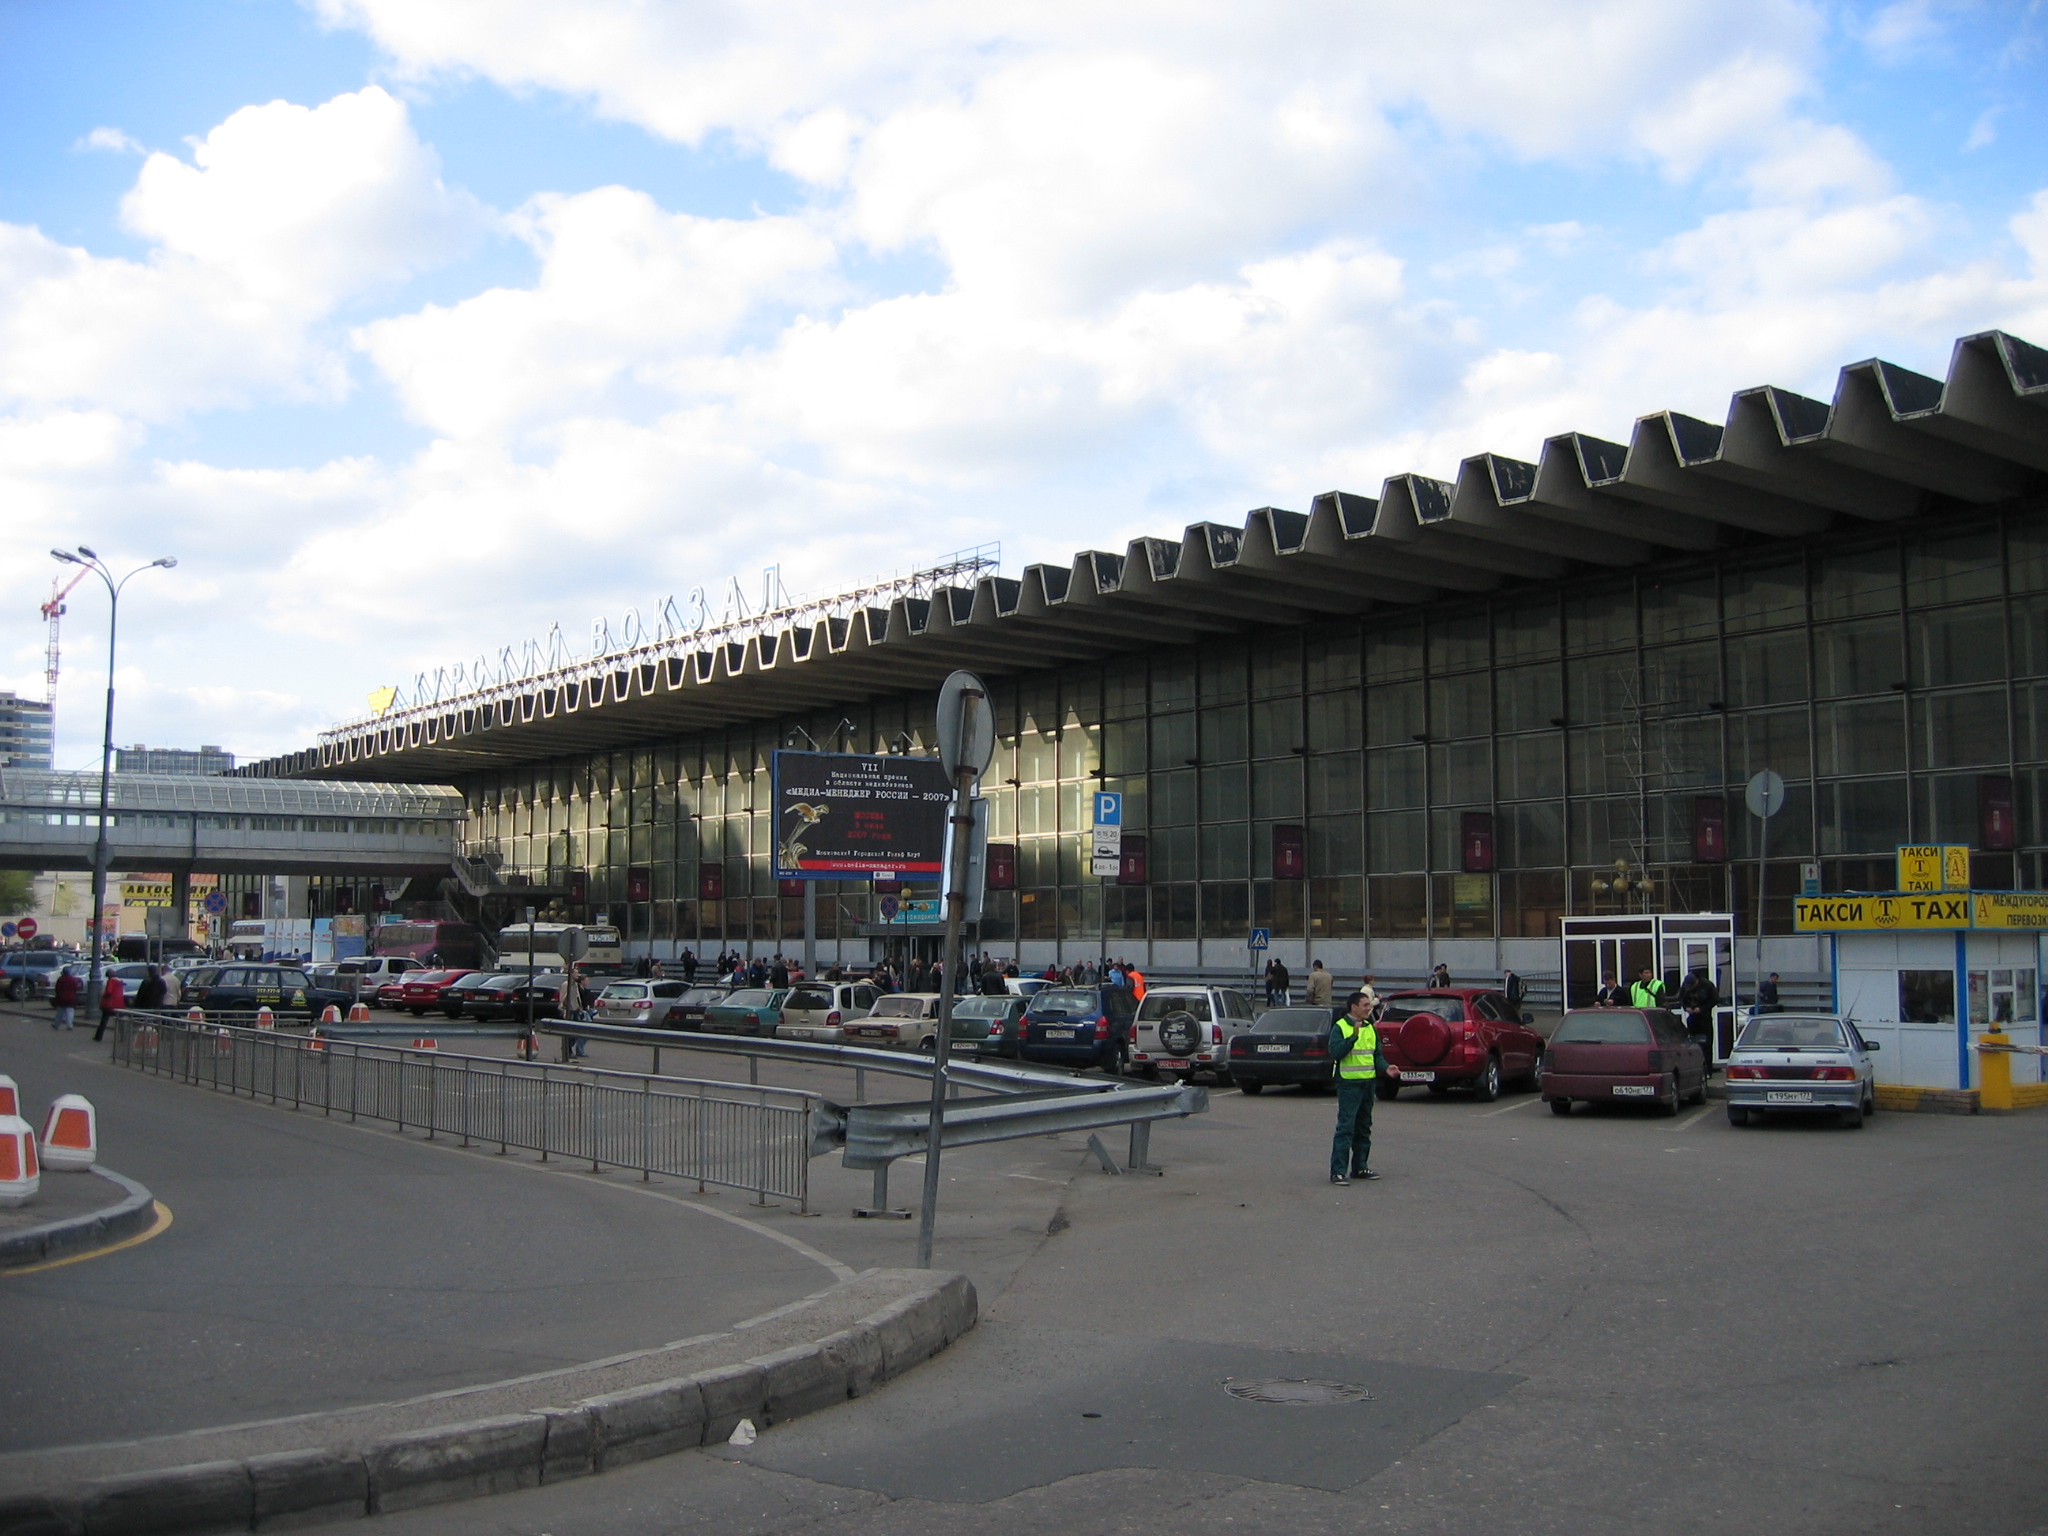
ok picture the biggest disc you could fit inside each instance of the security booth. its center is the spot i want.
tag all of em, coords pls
(1925, 975)
(1672, 944)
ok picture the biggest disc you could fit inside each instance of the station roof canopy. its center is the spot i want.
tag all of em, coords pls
(1891, 444)
(45, 791)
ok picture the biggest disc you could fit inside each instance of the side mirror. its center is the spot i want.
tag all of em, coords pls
(1528, 1018)
(1873, 1045)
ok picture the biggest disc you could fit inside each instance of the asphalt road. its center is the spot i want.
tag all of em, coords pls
(314, 1265)
(1606, 1323)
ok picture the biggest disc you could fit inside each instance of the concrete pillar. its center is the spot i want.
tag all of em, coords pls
(181, 901)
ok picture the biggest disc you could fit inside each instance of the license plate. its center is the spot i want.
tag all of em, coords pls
(1633, 1091)
(1273, 1050)
(1059, 1034)
(1418, 1077)
(1787, 1096)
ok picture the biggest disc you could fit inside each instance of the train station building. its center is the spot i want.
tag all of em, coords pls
(1393, 730)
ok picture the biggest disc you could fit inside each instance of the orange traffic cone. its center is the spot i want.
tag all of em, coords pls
(71, 1133)
(426, 1043)
(145, 1037)
(315, 1042)
(10, 1096)
(195, 1015)
(265, 1019)
(359, 1013)
(330, 1014)
(19, 1175)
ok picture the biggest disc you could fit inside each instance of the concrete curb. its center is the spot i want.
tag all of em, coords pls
(76, 1235)
(512, 1451)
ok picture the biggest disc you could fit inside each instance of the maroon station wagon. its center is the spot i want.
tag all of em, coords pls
(1622, 1056)
(1455, 1037)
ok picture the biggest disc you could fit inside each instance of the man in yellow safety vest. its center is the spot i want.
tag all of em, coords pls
(1355, 1050)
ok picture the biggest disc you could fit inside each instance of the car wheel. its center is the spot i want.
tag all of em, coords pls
(1737, 1115)
(1676, 1102)
(1869, 1100)
(1386, 1088)
(1535, 1077)
(1852, 1119)
(1249, 1087)
(1699, 1094)
(1560, 1106)
(1486, 1087)
(1149, 1073)
(929, 1045)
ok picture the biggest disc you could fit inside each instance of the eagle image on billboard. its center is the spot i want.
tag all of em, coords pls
(839, 816)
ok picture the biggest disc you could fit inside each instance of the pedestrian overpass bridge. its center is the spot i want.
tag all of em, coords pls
(184, 823)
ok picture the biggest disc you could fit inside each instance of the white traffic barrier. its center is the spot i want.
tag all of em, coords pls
(71, 1133)
(426, 1043)
(20, 1176)
(359, 1013)
(195, 1015)
(330, 1014)
(10, 1096)
(265, 1019)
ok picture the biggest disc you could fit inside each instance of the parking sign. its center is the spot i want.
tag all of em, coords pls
(1109, 809)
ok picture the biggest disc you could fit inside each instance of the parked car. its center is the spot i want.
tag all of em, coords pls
(902, 1018)
(1003, 1031)
(821, 1010)
(1623, 1055)
(687, 1011)
(1185, 1030)
(1456, 1037)
(538, 995)
(132, 973)
(1024, 986)
(1079, 1027)
(362, 976)
(242, 987)
(479, 993)
(1801, 1063)
(421, 990)
(749, 1011)
(30, 971)
(635, 1002)
(1284, 1045)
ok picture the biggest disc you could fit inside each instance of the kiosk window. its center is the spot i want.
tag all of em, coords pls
(2003, 997)
(1927, 997)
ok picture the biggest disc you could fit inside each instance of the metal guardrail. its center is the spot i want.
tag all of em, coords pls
(734, 1135)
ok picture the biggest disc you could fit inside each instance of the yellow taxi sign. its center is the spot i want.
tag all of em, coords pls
(1955, 866)
(1934, 867)
(2010, 909)
(1880, 914)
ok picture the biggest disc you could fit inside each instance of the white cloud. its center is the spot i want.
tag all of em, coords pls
(111, 139)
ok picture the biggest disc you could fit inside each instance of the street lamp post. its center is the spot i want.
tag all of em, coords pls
(92, 562)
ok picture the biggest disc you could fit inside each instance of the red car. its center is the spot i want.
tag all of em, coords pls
(1456, 1037)
(1622, 1056)
(420, 990)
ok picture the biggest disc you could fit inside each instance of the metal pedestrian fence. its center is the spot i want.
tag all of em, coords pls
(732, 1135)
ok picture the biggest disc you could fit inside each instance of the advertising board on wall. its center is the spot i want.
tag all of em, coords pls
(840, 816)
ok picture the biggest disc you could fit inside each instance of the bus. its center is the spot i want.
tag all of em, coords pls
(248, 939)
(458, 946)
(538, 947)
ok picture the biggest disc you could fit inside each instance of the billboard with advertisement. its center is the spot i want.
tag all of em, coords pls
(844, 816)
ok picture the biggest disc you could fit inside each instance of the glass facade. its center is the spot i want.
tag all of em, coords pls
(1472, 770)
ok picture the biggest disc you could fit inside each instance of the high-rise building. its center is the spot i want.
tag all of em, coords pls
(25, 732)
(141, 759)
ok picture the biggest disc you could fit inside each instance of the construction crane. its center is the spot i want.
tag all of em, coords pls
(53, 610)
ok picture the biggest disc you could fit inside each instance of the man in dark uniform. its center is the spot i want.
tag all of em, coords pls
(1355, 1048)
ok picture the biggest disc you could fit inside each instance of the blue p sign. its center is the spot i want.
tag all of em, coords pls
(1109, 810)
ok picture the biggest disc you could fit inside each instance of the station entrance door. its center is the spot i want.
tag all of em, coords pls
(1672, 944)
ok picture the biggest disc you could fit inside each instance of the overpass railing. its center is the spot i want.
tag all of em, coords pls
(733, 1135)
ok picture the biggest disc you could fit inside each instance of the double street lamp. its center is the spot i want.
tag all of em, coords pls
(92, 562)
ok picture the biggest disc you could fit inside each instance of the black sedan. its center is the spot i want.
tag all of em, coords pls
(478, 996)
(1286, 1045)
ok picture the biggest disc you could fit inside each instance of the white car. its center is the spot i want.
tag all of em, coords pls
(821, 1010)
(636, 1002)
(1800, 1063)
(908, 1020)
(1180, 1031)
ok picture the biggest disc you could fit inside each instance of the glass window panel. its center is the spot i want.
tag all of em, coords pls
(1330, 657)
(1123, 746)
(1458, 642)
(1394, 652)
(1334, 721)
(1276, 789)
(1070, 855)
(1076, 807)
(1173, 740)
(1531, 904)
(1336, 845)
(1528, 698)
(1223, 852)
(1123, 689)
(1225, 793)
(1037, 809)
(2030, 719)
(1336, 909)
(1173, 799)
(1599, 621)
(1597, 762)
(1676, 610)
(1858, 658)
(1532, 836)
(1954, 569)
(1851, 582)
(1224, 735)
(1686, 752)
(1397, 906)
(1605, 830)
(1394, 712)
(1682, 676)
(1170, 855)
(1462, 906)
(1764, 597)
(1861, 816)
(1599, 688)
(1530, 767)
(1080, 749)
(1461, 772)
(1962, 730)
(1460, 706)
(1396, 840)
(2026, 546)
(1276, 727)
(2029, 636)
(1957, 645)
(1948, 809)
(1225, 676)
(1394, 778)
(1868, 736)
(1336, 783)
(1226, 911)
(1173, 681)
(1767, 669)
(1528, 631)
(1276, 666)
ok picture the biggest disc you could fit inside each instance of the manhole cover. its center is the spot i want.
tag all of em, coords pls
(1296, 1394)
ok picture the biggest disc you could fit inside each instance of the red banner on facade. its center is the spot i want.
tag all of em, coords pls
(711, 882)
(1710, 830)
(1997, 831)
(1130, 867)
(639, 885)
(1002, 867)
(1475, 842)
(1290, 853)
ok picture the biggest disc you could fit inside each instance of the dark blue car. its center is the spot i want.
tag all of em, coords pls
(1079, 1027)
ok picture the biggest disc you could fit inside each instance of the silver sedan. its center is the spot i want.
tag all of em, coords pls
(1801, 1063)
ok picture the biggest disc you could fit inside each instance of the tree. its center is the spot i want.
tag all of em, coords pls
(17, 892)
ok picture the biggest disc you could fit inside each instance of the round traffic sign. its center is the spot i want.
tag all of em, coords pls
(966, 726)
(216, 902)
(1765, 795)
(26, 927)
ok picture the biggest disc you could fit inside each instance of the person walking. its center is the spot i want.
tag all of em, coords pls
(113, 998)
(64, 999)
(154, 991)
(689, 967)
(1373, 1006)
(1355, 1049)
(1511, 987)
(1135, 980)
(1441, 976)
(1321, 986)
(1699, 997)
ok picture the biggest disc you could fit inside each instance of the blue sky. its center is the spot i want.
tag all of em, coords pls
(414, 328)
